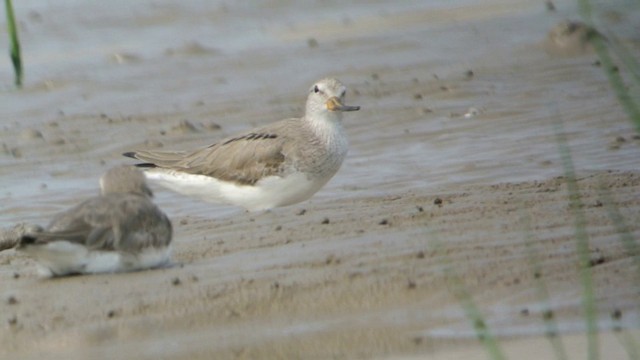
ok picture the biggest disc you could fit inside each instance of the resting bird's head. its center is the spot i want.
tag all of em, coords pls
(125, 180)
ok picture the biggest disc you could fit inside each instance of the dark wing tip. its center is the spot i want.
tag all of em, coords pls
(132, 154)
(146, 165)
(27, 240)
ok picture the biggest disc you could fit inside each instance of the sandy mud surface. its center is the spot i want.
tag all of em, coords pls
(454, 171)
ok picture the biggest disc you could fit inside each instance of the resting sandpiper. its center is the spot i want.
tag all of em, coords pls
(120, 230)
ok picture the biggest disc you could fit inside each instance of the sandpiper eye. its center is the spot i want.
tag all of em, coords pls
(316, 89)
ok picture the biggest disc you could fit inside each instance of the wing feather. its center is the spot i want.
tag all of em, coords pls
(122, 222)
(244, 159)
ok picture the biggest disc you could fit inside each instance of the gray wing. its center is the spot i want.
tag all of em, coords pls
(244, 159)
(143, 225)
(123, 222)
(86, 223)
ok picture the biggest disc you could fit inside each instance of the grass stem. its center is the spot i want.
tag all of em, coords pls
(551, 328)
(582, 241)
(629, 104)
(16, 58)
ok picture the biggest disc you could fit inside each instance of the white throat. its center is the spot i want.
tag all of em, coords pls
(327, 126)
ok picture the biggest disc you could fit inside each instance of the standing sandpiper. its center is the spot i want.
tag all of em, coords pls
(279, 164)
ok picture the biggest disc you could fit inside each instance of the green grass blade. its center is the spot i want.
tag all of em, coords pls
(615, 79)
(474, 315)
(472, 312)
(628, 60)
(551, 328)
(582, 241)
(628, 103)
(16, 58)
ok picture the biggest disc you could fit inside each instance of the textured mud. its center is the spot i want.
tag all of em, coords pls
(454, 171)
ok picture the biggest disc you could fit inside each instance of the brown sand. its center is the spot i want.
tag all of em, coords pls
(453, 164)
(370, 282)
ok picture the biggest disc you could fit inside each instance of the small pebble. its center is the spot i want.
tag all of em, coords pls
(383, 222)
(184, 127)
(30, 134)
(58, 141)
(597, 259)
(176, 281)
(616, 314)
(312, 43)
(331, 259)
(550, 6)
(325, 221)
(189, 49)
(437, 201)
(16, 153)
(12, 300)
(471, 113)
(124, 58)
(411, 284)
(213, 126)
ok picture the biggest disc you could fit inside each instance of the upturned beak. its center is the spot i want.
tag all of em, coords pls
(334, 104)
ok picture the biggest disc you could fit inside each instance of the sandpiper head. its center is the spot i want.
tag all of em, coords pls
(124, 179)
(327, 96)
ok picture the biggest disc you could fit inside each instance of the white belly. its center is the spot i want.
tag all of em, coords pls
(267, 193)
(63, 258)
